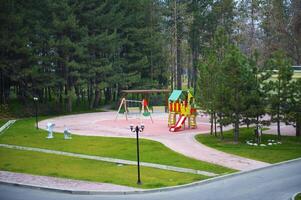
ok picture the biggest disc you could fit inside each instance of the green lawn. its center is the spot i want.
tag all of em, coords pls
(289, 149)
(23, 133)
(89, 170)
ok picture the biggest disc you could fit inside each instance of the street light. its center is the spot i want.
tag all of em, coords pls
(136, 130)
(35, 99)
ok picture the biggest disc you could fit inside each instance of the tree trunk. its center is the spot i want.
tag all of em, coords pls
(195, 56)
(97, 97)
(236, 128)
(278, 127)
(77, 92)
(179, 67)
(257, 129)
(298, 125)
(211, 123)
(2, 96)
(68, 99)
(189, 81)
(215, 124)
(221, 126)
(49, 94)
(69, 103)
(108, 95)
(175, 46)
(61, 95)
(91, 102)
(278, 110)
(83, 95)
(221, 131)
(88, 93)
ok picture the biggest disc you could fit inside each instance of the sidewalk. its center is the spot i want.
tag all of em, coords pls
(47, 182)
(187, 145)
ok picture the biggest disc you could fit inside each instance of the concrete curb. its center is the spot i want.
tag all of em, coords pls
(6, 125)
(80, 192)
(165, 189)
(294, 196)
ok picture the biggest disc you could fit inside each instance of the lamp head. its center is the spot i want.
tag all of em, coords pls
(35, 98)
(142, 127)
(131, 127)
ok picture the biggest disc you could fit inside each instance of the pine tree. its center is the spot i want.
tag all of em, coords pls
(200, 33)
(279, 94)
(238, 79)
(16, 51)
(256, 101)
(66, 41)
(293, 112)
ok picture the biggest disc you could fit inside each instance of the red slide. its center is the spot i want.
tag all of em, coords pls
(178, 125)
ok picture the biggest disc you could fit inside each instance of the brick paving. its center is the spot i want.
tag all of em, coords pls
(60, 183)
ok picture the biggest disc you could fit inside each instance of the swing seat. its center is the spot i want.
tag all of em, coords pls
(121, 111)
(146, 114)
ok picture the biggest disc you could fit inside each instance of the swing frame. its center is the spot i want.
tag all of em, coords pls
(123, 103)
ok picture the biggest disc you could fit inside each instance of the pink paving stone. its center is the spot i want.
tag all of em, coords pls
(104, 124)
(285, 130)
(60, 183)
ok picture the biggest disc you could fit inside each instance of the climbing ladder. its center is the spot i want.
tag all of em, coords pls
(171, 119)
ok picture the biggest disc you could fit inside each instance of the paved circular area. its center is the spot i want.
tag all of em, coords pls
(104, 124)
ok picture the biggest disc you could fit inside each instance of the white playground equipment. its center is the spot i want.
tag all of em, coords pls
(143, 111)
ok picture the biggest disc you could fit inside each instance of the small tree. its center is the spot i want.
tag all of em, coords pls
(238, 81)
(211, 80)
(293, 115)
(280, 87)
(207, 85)
(256, 101)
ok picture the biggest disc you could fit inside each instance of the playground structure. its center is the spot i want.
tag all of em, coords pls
(148, 94)
(143, 108)
(181, 107)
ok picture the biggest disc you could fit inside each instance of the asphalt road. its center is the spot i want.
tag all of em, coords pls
(272, 183)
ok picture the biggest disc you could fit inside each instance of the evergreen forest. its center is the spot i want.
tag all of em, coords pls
(236, 56)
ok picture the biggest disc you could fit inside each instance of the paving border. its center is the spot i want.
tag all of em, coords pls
(6, 126)
(294, 196)
(165, 189)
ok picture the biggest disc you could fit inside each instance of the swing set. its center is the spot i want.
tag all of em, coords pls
(143, 108)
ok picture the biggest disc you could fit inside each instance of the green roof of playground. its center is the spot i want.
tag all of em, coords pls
(175, 95)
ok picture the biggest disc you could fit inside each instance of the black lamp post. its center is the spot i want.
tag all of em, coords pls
(136, 130)
(35, 99)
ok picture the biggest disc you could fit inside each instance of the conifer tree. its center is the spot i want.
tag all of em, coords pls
(66, 41)
(278, 97)
(293, 114)
(238, 76)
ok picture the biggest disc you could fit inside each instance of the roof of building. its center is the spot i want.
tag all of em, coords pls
(296, 68)
(175, 95)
